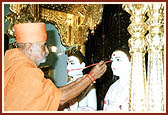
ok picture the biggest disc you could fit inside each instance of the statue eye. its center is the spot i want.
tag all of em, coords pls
(118, 59)
(72, 63)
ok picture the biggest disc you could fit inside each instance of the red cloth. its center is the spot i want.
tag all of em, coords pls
(25, 88)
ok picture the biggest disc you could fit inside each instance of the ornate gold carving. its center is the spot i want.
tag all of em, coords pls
(137, 44)
(73, 21)
(156, 78)
(74, 25)
(10, 30)
(22, 13)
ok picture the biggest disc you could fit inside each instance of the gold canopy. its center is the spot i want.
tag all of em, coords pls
(73, 21)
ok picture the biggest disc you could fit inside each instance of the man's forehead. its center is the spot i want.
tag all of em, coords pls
(41, 43)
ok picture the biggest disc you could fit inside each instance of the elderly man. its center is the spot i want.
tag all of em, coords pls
(25, 87)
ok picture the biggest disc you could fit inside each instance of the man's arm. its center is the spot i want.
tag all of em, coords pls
(73, 89)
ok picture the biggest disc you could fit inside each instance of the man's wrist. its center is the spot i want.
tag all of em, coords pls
(90, 76)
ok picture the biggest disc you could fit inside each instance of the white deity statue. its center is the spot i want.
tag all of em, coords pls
(117, 97)
(89, 101)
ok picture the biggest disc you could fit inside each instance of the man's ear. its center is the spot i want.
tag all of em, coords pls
(83, 64)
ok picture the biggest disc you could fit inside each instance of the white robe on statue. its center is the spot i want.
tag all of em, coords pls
(117, 97)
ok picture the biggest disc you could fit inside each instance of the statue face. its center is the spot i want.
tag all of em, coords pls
(120, 63)
(72, 64)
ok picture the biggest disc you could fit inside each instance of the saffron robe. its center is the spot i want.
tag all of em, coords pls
(25, 87)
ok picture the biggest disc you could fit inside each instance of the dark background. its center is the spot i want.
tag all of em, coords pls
(110, 34)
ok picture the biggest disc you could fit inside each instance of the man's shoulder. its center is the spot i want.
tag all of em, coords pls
(28, 70)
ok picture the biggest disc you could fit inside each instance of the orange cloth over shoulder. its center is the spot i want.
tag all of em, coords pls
(25, 88)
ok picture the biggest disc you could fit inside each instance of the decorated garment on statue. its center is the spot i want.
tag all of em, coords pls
(117, 97)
